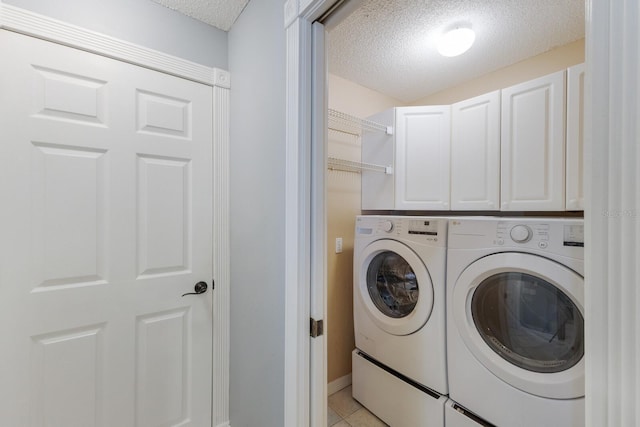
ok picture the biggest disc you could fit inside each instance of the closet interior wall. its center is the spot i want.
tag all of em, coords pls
(343, 188)
(343, 204)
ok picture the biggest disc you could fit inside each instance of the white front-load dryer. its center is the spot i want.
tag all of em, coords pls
(399, 295)
(515, 320)
(459, 416)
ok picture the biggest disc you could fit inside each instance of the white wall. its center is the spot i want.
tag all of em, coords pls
(142, 22)
(257, 197)
(357, 100)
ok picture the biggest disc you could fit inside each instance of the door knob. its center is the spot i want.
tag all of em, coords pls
(199, 288)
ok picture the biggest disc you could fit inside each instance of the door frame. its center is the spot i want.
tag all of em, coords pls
(610, 160)
(35, 25)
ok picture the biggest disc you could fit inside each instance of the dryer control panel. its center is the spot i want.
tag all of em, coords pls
(509, 232)
(547, 234)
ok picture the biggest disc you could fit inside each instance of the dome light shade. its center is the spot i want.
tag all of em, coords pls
(456, 42)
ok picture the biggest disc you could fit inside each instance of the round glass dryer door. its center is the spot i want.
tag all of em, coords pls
(395, 287)
(521, 317)
(529, 322)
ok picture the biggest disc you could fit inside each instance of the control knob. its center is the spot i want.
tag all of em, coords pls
(521, 234)
(386, 226)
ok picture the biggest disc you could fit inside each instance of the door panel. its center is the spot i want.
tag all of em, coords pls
(164, 213)
(67, 371)
(422, 157)
(67, 219)
(162, 343)
(71, 97)
(105, 177)
(163, 115)
(532, 145)
(475, 153)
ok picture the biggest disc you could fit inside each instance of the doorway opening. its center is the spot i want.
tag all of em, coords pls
(355, 92)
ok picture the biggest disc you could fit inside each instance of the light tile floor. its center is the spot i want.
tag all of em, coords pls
(345, 411)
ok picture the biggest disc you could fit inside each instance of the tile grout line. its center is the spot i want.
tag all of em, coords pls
(342, 402)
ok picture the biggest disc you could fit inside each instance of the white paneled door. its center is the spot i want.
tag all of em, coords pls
(105, 188)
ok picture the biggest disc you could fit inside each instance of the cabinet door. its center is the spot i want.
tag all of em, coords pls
(422, 157)
(475, 153)
(532, 145)
(575, 138)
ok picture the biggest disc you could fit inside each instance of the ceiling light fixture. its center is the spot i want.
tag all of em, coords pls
(456, 41)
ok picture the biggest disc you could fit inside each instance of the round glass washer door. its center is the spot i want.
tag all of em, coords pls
(521, 317)
(395, 287)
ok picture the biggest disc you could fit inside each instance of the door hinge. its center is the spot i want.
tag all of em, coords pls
(317, 327)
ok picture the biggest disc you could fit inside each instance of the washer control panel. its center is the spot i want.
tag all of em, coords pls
(416, 229)
(422, 227)
(386, 226)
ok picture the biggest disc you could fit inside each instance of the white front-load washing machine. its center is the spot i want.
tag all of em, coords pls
(399, 317)
(515, 320)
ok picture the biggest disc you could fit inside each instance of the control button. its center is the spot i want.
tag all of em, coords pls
(543, 244)
(521, 233)
(386, 226)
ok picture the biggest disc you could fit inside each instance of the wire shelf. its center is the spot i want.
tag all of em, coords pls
(357, 167)
(354, 126)
(343, 122)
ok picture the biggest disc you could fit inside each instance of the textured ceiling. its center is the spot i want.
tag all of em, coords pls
(218, 13)
(390, 45)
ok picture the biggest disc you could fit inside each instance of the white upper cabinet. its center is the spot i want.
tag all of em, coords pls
(423, 136)
(504, 150)
(475, 153)
(575, 138)
(532, 146)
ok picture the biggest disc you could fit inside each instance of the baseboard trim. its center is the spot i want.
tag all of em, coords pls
(338, 384)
